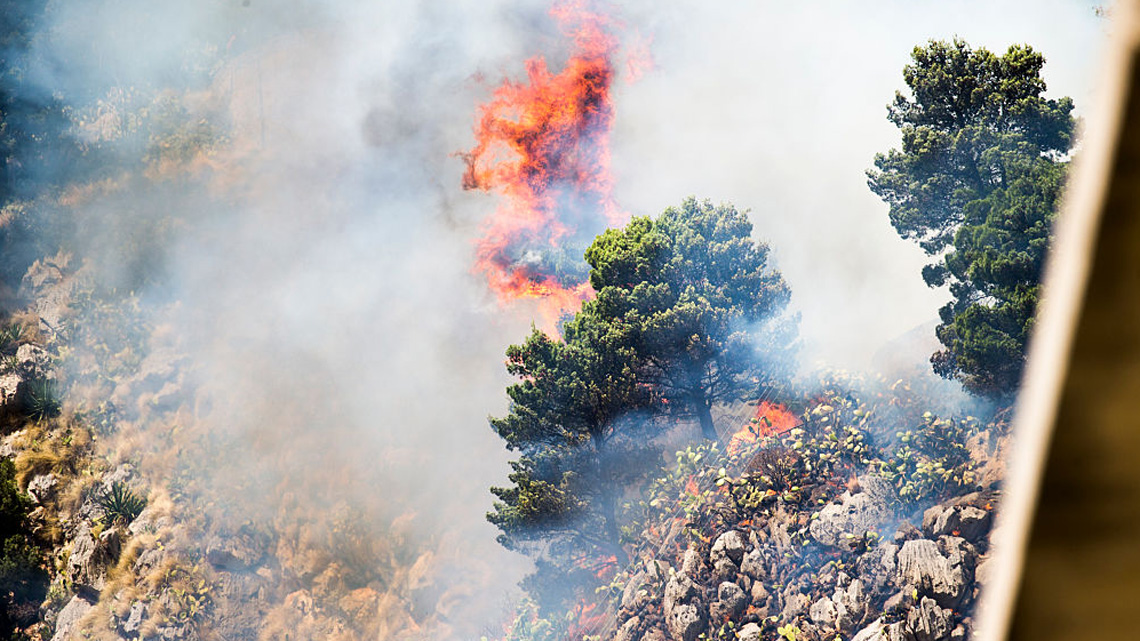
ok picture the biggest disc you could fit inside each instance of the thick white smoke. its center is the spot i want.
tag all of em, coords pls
(322, 267)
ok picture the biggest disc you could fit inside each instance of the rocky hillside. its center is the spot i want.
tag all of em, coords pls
(759, 580)
(107, 432)
(866, 520)
(849, 525)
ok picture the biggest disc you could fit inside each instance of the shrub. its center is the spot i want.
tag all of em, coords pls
(41, 399)
(23, 580)
(120, 504)
(931, 460)
(10, 335)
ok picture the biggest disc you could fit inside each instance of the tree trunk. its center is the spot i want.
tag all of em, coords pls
(609, 513)
(608, 499)
(704, 415)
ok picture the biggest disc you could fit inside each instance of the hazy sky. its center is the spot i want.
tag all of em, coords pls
(779, 107)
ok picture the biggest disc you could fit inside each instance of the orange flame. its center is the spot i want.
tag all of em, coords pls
(692, 487)
(544, 146)
(771, 419)
(586, 619)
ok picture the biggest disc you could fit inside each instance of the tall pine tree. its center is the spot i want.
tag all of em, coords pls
(976, 184)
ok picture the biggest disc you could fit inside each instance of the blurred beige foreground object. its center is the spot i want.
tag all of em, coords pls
(1067, 543)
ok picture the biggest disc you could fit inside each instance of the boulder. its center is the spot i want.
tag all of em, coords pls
(752, 564)
(135, 616)
(900, 601)
(678, 591)
(928, 622)
(759, 594)
(730, 604)
(823, 612)
(635, 596)
(877, 567)
(879, 631)
(749, 632)
(122, 473)
(11, 393)
(34, 361)
(90, 558)
(628, 630)
(973, 523)
(966, 521)
(795, 605)
(71, 613)
(961, 554)
(42, 487)
(850, 605)
(691, 563)
(686, 622)
(724, 570)
(922, 565)
(728, 545)
(855, 514)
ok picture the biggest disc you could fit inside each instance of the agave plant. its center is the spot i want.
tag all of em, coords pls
(120, 504)
(10, 335)
(41, 399)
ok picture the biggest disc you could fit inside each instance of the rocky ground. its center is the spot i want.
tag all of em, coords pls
(189, 561)
(830, 560)
(755, 582)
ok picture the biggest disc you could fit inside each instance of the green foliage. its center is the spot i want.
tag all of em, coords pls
(714, 490)
(931, 461)
(541, 501)
(41, 399)
(10, 335)
(570, 419)
(120, 504)
(789, 632)
(701, 302)
(683, 308)
(573, 419)
(976, 184)
(23, 580)
(968, 113)
(14, 505)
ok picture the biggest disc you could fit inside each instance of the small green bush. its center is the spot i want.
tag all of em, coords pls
(41, 399)
(10, 335)
(119, 504)
(932, 460)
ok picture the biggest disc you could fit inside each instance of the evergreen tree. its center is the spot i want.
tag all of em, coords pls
(682, 316)
(976, 184)
(572, 417)
(703, 304)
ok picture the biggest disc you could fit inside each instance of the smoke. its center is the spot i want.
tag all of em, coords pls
(302, 236)
(780, 107)
(299, 234)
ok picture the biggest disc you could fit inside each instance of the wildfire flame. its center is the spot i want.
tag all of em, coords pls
(544, 146)
(771, 419)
